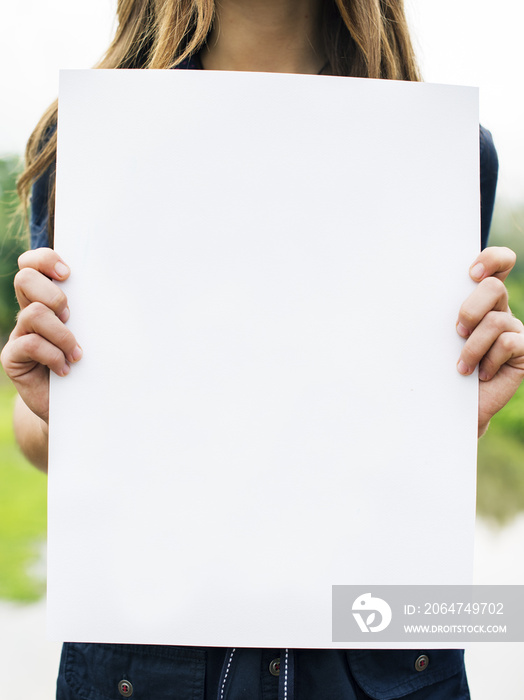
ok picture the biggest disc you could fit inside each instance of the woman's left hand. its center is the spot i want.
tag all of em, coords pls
(494, 337)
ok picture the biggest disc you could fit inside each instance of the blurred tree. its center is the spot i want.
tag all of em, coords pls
(12, 242)
(500, 493)
(508, 230)
(22, 488)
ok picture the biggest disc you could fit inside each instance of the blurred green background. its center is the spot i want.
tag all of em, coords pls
(23, 489)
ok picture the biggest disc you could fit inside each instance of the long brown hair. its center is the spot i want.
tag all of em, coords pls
(362, 38)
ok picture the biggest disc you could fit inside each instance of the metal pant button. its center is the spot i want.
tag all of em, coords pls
(274, 667)
(125, 689)
(422, 662)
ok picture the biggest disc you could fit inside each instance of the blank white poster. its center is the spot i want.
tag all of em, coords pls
(266, 276)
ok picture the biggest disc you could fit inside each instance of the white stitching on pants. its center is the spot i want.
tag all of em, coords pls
(225, 676)
(285, 675)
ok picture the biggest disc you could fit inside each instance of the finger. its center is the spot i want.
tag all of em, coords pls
(46, 261)
(489, 295)
(23, 354)
(40, 320)
(508, 349)
(493, 262)
(32, 286)
(485, 335)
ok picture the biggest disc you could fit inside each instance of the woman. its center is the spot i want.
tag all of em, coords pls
(366, 38)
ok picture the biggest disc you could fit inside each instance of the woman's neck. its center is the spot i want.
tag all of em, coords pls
(277, 36)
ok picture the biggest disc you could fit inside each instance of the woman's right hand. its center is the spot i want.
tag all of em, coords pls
(40, 341)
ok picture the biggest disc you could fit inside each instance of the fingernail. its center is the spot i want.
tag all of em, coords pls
(483, 375)
(61, 269)
(65, 369)
(77, 353)
(477, 271)
(64, 316)
(462, 330)
(462, 367)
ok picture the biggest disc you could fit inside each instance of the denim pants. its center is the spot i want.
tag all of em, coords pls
(145, 672)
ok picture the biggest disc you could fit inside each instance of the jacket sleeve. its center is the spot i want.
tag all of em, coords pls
(489, 168)
(39, 217)
(38, 221)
